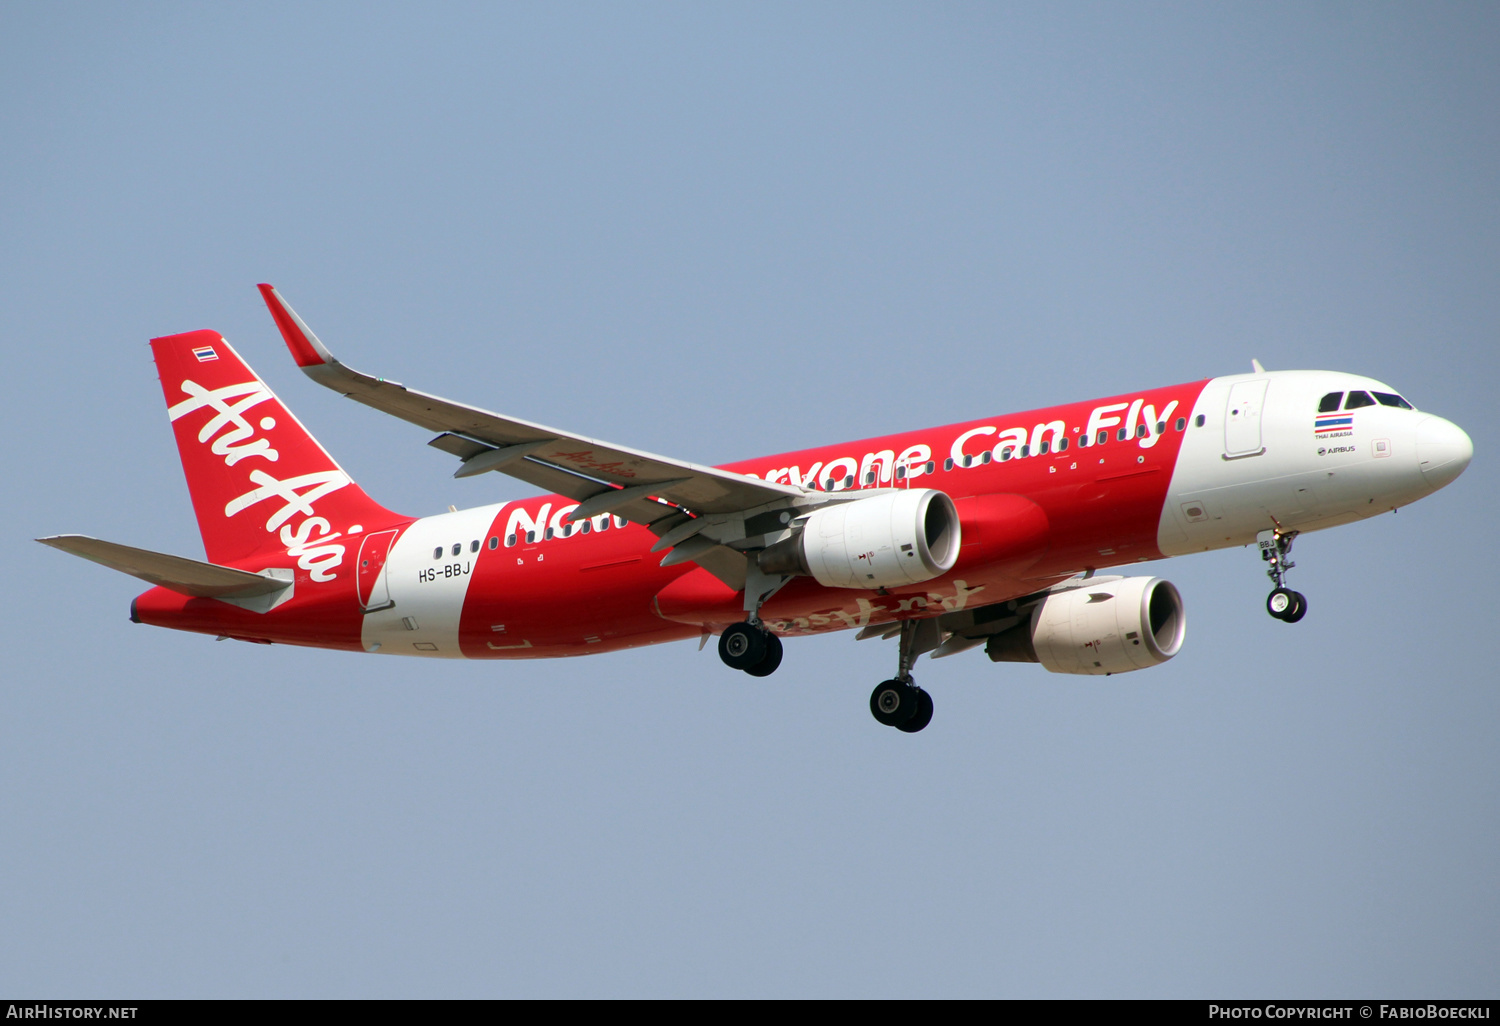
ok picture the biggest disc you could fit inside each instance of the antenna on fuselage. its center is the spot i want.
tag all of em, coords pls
(1255, 365)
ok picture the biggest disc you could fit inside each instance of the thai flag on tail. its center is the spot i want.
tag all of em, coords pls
(205, 353)
(1334, 422)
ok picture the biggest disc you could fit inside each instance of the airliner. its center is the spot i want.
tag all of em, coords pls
(985, 534)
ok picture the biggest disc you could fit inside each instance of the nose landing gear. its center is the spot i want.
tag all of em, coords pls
(1275, 548)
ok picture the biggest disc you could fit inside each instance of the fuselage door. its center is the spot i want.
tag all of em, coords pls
(374, 588)
(1242, 414)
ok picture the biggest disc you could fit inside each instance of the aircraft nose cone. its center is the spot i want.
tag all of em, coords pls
(1443, 451)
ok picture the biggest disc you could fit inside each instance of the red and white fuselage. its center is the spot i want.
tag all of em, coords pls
(1041, 496)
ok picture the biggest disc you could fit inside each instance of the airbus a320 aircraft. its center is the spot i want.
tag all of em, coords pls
(981, 534)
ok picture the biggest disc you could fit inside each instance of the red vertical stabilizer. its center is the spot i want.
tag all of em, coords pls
(262, 486)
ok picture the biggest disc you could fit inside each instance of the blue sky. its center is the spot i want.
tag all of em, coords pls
(715, 232)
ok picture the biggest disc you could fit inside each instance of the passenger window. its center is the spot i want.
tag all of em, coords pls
(495, 542)
(1041, 449)
(584, 527)
(437, 553)
(1161, 427)
(948, 463)
(1062, 444)
(1140, 431)
(530, 537)
(1103, 437)
(1357, 400)
(1007, 452)
(1025, 450)
(1330, 402)
(1181, 423)
(474, 545)
(1200, 420)
(1390, 399)
(458, 547)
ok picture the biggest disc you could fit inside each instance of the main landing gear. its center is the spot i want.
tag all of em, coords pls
(898, 702)
(901, 704)
(750, 647)
(1275, 548)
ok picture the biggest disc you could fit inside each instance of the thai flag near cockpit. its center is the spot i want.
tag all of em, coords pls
(1334, 422)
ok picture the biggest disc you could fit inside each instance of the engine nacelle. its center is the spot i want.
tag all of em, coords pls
(1114, 627)
(885, 541)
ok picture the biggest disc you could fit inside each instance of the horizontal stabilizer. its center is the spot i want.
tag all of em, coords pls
(184, 576)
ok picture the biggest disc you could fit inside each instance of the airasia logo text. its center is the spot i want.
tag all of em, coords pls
(231, 435)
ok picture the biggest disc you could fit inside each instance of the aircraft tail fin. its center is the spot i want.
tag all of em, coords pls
(260, 483)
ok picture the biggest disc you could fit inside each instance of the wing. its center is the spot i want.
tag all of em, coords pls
(662, 493)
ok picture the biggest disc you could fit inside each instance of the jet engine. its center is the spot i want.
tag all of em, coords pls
(885, 541)
(1111, 627)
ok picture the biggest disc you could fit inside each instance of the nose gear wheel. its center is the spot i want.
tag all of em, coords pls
(1276, 549)
(1286, 605)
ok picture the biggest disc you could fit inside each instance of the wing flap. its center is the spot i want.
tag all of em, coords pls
(464, 448)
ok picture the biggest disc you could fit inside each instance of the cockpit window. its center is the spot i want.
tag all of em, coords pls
(1330, 402)
(1391, 399)
(1358, 399)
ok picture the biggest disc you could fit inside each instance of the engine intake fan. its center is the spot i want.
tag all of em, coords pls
(1126, 624)
(885, 541)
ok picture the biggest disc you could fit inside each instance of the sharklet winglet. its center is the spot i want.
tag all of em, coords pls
(306, 349)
